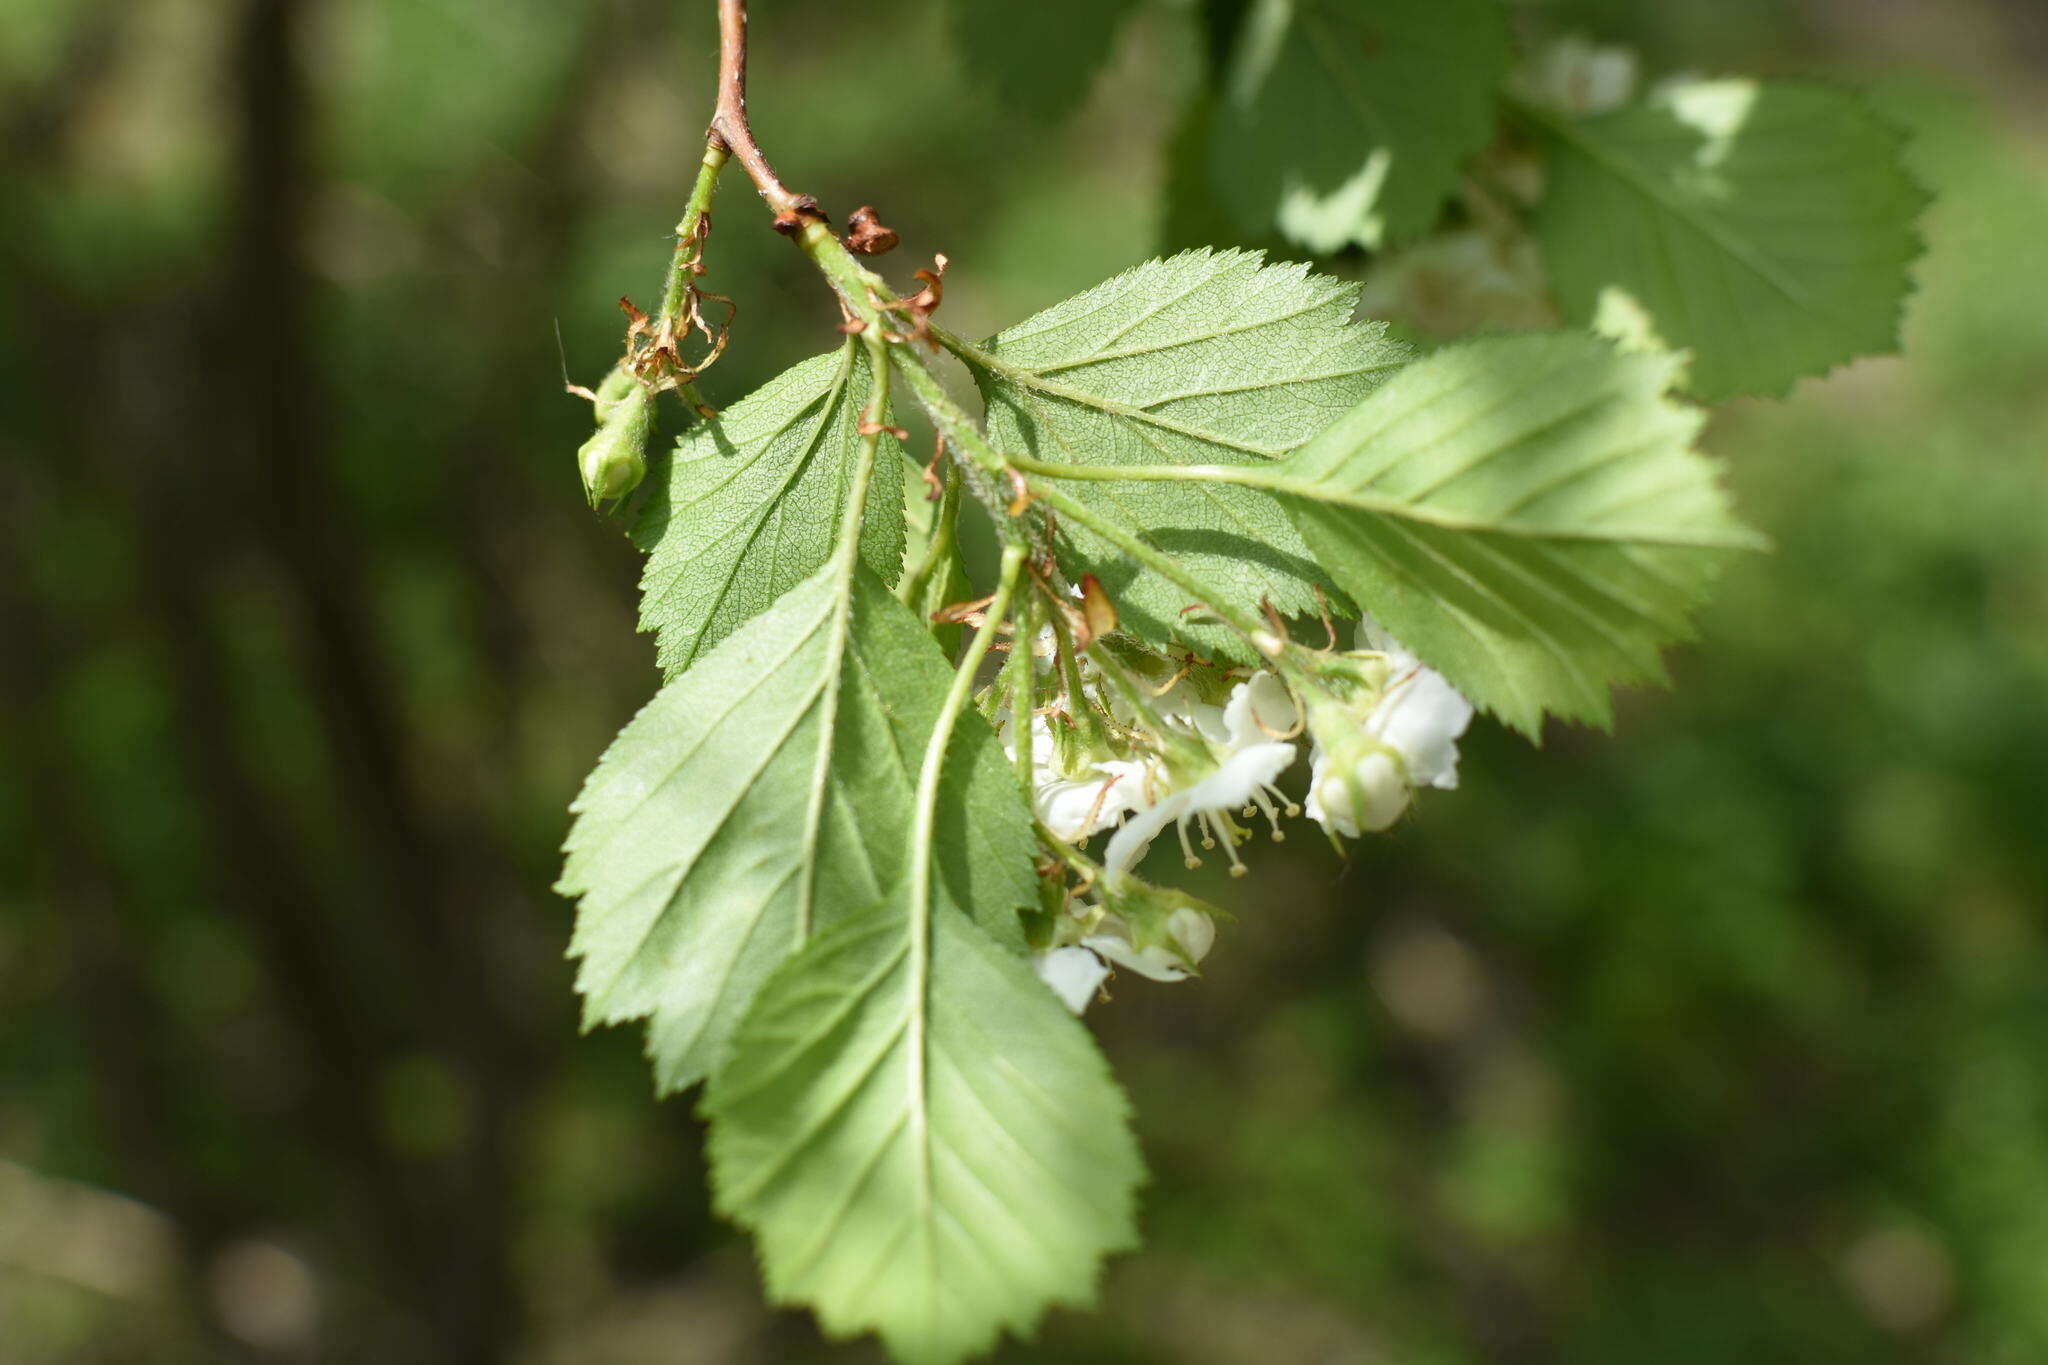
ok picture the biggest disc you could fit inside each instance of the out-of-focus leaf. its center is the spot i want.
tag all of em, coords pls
(1038, 56)
(1766, 226)
(1343, 122)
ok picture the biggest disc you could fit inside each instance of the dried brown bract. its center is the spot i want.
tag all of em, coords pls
(1097, 616)
(919, 307)
(867, 235)
(790, 221)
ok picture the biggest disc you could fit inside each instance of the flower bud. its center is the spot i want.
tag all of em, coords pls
(1153, 931)
(619, 384)
(1362, 789)
(614, 460)
(1374, 746)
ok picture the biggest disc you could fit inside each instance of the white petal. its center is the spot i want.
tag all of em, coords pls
(1260, 709)
(1229, 788)
(1137, 785)
(1386, 792)
(1422, 716)
(1206, 721)
(1127, 847)
(1319, 767)
(1073, 973)
(1160, 964)
(1194, 931)
(1241, 774)
(1074, 810)
(1373, 636)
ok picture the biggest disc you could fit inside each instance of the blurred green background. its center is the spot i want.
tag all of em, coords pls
(1720, 1039)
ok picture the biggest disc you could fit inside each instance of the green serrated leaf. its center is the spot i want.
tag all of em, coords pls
(747, 506)
(1343, 122)
(1767, 226)
(763, 795)
(925, 1143)
(1037, 56)
(1526, 514)
(1208, 357)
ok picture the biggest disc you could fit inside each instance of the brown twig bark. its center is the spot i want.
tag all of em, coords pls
(729, 124)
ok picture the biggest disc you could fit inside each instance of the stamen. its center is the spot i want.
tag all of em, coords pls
(1265, 797)
(1230, 848)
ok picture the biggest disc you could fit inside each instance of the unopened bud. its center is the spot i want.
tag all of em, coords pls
(614, 460)
(1154, 931)
(1371, 789)
(619, 384)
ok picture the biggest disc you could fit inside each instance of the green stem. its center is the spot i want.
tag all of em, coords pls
(1254, 630)
(945, 528)
(1079, 709)
(925, 819)
(1021, 667)
(952, 421)
(860, 289)
(1074, 858)
(949, 713)
(872, 417)
(1252, 476)
(1179, 750)
(682, 270)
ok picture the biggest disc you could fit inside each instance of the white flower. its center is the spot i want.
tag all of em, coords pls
(1574, 76)
(1073, 973)
(1189, 934)
(1244, 778)
(1074, 808)
(1074, 804)
(1362, 780)
(1247, 738)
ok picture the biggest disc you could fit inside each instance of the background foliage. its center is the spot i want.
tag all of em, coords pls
(1722, 1039)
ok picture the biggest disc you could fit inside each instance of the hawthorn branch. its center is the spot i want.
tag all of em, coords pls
(730, 128)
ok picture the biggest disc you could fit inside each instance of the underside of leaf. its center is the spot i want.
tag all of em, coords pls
(1207, 357)
(746, 507)
(925, 1143)
(762, 795)
(1526, 514)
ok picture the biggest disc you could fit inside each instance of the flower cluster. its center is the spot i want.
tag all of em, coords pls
(1133, 743)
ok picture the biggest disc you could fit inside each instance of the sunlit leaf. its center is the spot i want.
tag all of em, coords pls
(924, 1141)
(1526, 513)
(762, 795)
(1202, 358)
(747, 507)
